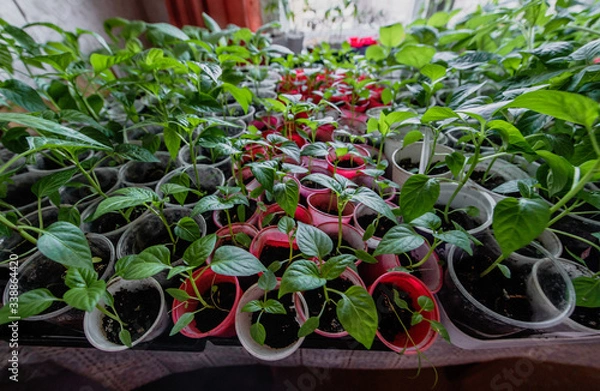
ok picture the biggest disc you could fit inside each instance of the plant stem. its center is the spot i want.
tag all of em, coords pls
(492, 266)
(18, 229)
(195, 287)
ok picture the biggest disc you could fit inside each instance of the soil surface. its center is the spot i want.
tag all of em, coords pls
(383, 226)
(388, 312)
(113, 221)
(458, 216)
(282, 330)
(315, 298)
(137, 309)
(589, 317)
(271, 253)
(221, 296)
(412, 167)
(505, 296)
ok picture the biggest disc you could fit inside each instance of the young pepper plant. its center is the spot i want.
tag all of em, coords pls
(355, 309)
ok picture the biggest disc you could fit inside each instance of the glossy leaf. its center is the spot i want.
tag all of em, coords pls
(301, 276)
(358, 315)
(65, 243)
(235, 261)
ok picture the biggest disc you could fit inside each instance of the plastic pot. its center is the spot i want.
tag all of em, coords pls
(388, 194)
(305, 190)
(320, 204)
(422, 336)
(413, 152)
(203, 158)
(150, 230)
(92, 322)
(243, 321)
(205, 279)
(15, 244)
(363, 210)
(350, 235)
(478, 319)
(44, 166)
(235, 107)
(207, 181)
(549, 241)
(500, 169)
(138, 174)
(220, 218)
(41, 272)
(270, 237)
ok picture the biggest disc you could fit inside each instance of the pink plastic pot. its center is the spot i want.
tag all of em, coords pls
(363, 210)
(335, 164)
(300, 215)
(224, 233)
(204, 280)
(431, 271)
(349, 275)
(422, 334)
(245, 174)
(319, 206)
(370, 272)
(270, 236)
(305, 191)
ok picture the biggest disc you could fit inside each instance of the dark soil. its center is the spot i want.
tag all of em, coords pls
(458, 216)
(137, 309)
(113, 221)
(530, 251)
(589, 317)
(282, 330)
(491, 182)
(554, 288)
(590, 255)
(315, 298)
(312, 185)
(220, 295)
(408, 165)
(233, 213)
(146, 172)
(506, 296)
(349, 163)
(389, 325)
(276, 252)
(383, 226)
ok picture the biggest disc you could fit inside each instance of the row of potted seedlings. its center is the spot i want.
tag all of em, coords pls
(299, 195)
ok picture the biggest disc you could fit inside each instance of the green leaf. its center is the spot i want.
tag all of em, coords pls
(375, 53)
(50, 184)
(587, 52)
(182, 322)
(253, 306)
(242, 96)
(433, 71)
(335, 266)
(23, 95)
(398, 240)
(234, 261)
(438, 114)
(286, 224)
(403, 304)
(210, 23)
(456, 237)
(187, 229)
(419, 195)
(455, 162)
(416, 318)
(125, 337)
(258, 333)
(518, 222)
(31, 303)
(125, 198)
(168, 30)
(391, 36)
(429, 220)
(560, 171)
(51, 127)
(101, 62)
(136, 153)
(587, 292)
(412, 137)
(567, 106)
(313, 242)
(69, 214)
(425, 303)
(368, 197)
(302, 275)
(415, 55)
(504, 270)
(287, 196)
(358, 315)
(365, 256)
(309, 326)
(86, 290)
(65, 243)
(178, 294)
(511, 134)
(267, 281)
(273, 306)
(146, 264)
(199, 251)
(440, 329)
